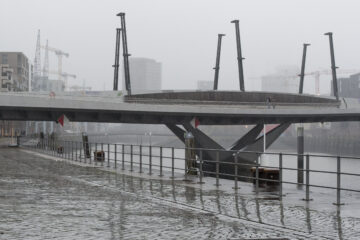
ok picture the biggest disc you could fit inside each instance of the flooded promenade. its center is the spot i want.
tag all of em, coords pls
(43, 197)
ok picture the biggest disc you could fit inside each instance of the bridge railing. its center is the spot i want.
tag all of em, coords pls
(275, 171)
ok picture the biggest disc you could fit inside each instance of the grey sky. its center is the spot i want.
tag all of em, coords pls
(182, 34)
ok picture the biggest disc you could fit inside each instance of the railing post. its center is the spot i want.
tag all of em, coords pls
(102, 150)
(172, 163)
(131, 158)
(236, 171)
(338, 184)
(307, 171)
(108, 153)
(95, 155)
(217, 168)
(140, 163)
(161, 162)
(72, 151)
(76, 153)
(150, 160)
(80, 152)
(90, 153)
(115, 156)
(122, 157)
(201, 167)
(257, 173)
(280, 175)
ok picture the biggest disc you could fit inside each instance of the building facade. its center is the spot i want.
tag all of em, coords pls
(5, 77)
(19, 64)
(205, 85)
(145, 75)
(284, 80)
(349, 87)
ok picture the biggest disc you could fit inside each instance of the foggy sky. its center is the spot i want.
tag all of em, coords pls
(182, 34)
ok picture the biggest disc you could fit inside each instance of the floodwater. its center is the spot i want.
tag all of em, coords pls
(47, 199)
(42, 198)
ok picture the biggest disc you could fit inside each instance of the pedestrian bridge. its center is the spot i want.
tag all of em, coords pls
(211, 108)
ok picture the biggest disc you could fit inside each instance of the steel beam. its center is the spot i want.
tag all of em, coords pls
(116, 64)
(217, 64)
(333, 65)
(302, 74)
(248, 138)
(239, 55)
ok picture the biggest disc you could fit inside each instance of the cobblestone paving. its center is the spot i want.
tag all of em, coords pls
(42, 199)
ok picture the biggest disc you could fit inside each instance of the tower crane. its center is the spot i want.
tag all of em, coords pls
(318, 73)
(60, 54)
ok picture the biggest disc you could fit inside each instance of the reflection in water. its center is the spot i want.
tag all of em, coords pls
(190, 194)
(173, 191)
(258, 209)
(339, 223)
(282, 213)
(237, 203)
(201, 198)
(218, 200)
(308, 217)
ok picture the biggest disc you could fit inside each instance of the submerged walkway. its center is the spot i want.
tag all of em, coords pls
(44, 197)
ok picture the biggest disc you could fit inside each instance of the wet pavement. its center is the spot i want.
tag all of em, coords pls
(44, 197)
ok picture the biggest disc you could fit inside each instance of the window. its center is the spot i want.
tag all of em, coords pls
(4, 58)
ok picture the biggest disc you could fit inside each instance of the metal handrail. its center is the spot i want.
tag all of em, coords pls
(73, 150)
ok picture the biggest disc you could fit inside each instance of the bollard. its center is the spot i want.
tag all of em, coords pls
(236, 171)
(307, 190)
(131, 158)
(140, 164)
(150, 160)
(280, 175)
(161, 162)
(108, 156)
(338, 184)
(123, 157)
(115, 157)
(217, 169)
(172, 163)
(201, 167)
(90, 155)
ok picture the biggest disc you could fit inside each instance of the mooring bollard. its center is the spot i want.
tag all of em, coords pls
(150, 160)
(161, 162)
(115, 157)
(338, 184)
(140, 159)
(217, 168)
(280, 174)
(122, 157)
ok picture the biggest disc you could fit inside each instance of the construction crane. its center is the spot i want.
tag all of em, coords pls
(60, 54)
(318, 73)
(80, 88)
